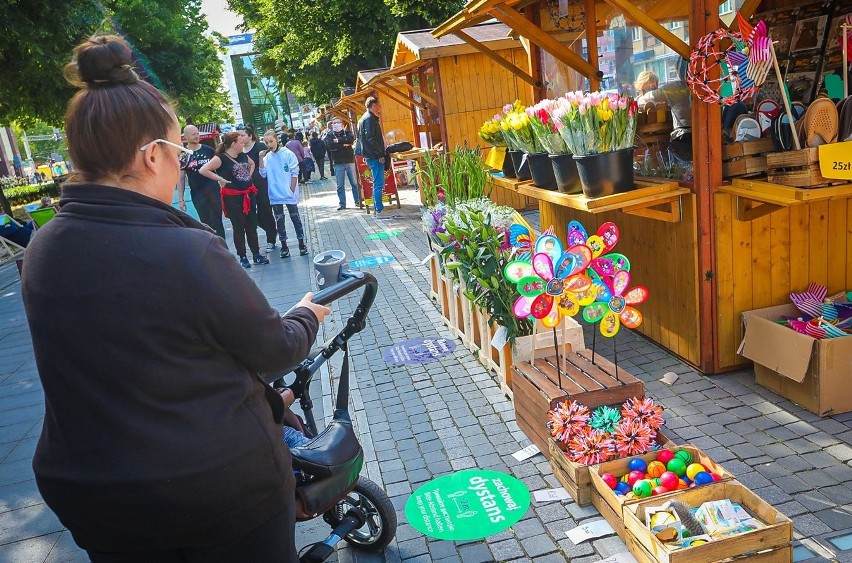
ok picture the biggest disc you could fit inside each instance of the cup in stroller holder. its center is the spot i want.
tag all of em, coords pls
(329, 267)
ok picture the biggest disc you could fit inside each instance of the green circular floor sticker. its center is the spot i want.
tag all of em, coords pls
(384, 234)
(467, 505)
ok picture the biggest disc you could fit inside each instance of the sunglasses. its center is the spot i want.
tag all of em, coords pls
(181, 148)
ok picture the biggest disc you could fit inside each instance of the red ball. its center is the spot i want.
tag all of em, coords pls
(610, 480)
(716, 477)
(660, 490)
(634, 476)
(669, 480)
(665, 456)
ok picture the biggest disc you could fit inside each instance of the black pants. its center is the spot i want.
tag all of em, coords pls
(264, 214)
(320, 163)
(245, 225)
(272, 542)
(303, 171)
(208, 204)
(278, 211)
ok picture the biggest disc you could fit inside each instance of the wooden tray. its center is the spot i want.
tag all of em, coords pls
(536, 389)
(799, 169)
(611, 506)
(777, 534)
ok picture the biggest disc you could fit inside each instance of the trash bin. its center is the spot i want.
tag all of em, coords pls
(329, 265)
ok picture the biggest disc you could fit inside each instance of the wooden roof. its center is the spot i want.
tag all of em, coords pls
(364, 76)
(423, 44)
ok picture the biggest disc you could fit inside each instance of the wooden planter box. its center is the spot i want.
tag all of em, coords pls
(470, 325)
(451, 307)
(497, 360)
(537, 390)
(773, 540)
(611, 506)
(435, 285)
(745, 158)
(575, 477)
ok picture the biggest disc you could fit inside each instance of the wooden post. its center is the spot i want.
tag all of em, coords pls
(440, 89)
(592, 41)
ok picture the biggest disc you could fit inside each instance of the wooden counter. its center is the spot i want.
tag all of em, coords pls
(771, 240)
(505, 191)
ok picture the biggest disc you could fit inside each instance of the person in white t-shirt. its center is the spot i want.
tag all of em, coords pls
(280, 166)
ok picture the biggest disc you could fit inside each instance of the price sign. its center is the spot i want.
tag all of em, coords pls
(835, 160)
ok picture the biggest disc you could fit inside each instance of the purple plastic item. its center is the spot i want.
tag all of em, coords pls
(418, 351)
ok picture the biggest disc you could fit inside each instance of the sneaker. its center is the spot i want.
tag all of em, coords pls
(260, 259)
(379, 211)
(303, 250)
(342, 207)
(360, 205)
(270, 247)
(244, 262)
(285, 252)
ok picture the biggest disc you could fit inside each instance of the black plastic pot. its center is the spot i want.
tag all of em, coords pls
(607, 173)
(508, 166)
(565, 172)
(542, 171)
(521, 172)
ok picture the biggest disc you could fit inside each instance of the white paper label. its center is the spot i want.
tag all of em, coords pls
(669, 378)
(589, 531)
(623, 557)
(550, 495)
(526, 453)
(500, 337)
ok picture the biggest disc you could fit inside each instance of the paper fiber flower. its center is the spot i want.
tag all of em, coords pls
(644, 412)
(591, 447)
(633, 438)
(567, 420)
(605, 419)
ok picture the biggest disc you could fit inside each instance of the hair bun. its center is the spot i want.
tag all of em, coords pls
(102, 60)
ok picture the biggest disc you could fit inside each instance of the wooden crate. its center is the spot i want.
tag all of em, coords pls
(434, 278)
(777, 555)
(472, 339)
(776, 536)
(611, 506)
(497, 360)
(745, 158)
(799, 169)
(451, 307)
(537, 390)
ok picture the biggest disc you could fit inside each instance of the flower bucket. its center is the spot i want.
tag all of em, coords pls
(508, 166)
(522, 171)
(606, 173)
(542, 171)
(565, 172)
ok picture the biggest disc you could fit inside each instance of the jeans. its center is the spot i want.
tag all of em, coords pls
(245, 226)
(320, 165)
(208, 204)
(348, 169)
(293, 209)
(378, 171)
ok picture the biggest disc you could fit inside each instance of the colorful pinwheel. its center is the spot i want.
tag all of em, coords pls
(613, 307)
(522, 238)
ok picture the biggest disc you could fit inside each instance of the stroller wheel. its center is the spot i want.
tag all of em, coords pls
(372, 500)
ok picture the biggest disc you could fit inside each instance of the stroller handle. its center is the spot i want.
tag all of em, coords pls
(350, 282)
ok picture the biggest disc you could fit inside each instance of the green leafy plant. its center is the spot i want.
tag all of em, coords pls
(452, 178)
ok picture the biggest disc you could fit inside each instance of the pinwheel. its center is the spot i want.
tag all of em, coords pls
(522, 237)
(614, 307)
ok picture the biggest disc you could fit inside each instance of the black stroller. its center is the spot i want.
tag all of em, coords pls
(357, 509)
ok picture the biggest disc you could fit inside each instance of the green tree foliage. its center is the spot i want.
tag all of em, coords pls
(315, 48)
(168, 36)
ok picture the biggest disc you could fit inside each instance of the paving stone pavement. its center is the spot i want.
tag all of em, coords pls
(418, 422)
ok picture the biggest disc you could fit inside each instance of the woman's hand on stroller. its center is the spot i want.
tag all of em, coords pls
(319, 310)
(287, 396)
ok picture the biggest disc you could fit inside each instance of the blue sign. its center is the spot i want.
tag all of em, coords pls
(241, 39)
(371, 261)
(418, 351)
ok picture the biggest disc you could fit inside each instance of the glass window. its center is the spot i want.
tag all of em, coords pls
(637, 33)
(726, 7)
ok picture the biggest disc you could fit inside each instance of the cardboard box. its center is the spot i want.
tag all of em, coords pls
(815, 374)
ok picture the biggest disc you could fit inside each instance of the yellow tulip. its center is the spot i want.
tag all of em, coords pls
(517, 125)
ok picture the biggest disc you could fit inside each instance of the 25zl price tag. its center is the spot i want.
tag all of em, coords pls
(835, 160)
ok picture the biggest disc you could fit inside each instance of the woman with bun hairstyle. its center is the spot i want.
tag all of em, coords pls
(264, 209)
(159, 441)
(233, 169)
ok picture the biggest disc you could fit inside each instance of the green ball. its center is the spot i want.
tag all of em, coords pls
(656, 481)
(684, 456)
(677, 466)
(642, 488)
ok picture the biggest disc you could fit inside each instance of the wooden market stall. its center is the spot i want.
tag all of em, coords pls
(708, 249)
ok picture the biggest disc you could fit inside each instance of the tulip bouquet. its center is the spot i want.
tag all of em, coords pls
(545, 128)
(594, 123)
(518, 130)
(491, 133)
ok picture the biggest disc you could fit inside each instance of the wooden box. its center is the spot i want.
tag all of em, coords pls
(435, 285)
(471, 331)
(498, 360)
(537, 389)
(774, 539)
(611, 505)
(451, 307)
(799, 169)
(745, 158)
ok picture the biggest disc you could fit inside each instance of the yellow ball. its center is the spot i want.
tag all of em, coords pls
(694, 469)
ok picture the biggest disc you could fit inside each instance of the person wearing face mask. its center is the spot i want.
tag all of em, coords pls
(339, 144)
(159, 440)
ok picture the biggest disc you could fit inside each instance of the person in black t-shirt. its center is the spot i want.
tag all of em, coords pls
(264, 209)
(204, 191)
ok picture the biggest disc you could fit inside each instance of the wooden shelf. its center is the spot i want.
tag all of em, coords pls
(756, 198)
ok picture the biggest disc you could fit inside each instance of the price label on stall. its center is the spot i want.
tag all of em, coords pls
(835, 160)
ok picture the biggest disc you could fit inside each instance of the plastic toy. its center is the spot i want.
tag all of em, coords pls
(665, 456)
(703, 478)
(642, 488)
(610, 480)
(677, 466)
(634, 476)
(639, 464)
(669, 480)
(655, 469)
(694, 469)
(684, 455)
(660, 490)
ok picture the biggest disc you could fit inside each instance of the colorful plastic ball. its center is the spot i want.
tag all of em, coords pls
(703, 478)
(665, 456)
(677, 466)
(686, 479)
(669, 480)
(716, 477)
(656, 481)
(610, 480)
(623, 478)
(622, 488)
(681, 485)
(660, 490)
(642, 488)
(684, 455)
(638, 464)
(655, 469)
(694, 469)
(634, 476)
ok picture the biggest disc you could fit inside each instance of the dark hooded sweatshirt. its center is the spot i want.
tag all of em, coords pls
(147, 336)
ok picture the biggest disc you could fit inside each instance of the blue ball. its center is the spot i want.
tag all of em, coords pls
(623, 488)
(638, 464)
(686, 479)
(703, 478)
